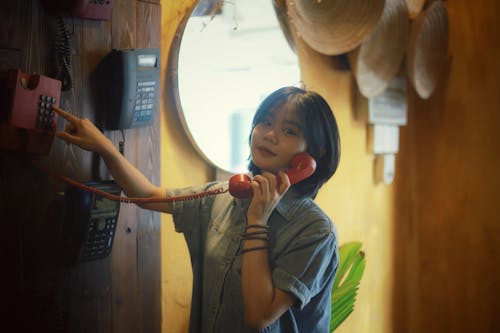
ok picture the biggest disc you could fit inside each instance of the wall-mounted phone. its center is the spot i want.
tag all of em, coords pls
(131, 84)
(89, 223)
(28, 123)
(302, 166)
(88, 9)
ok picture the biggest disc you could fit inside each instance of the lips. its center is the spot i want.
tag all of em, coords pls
(266, 152)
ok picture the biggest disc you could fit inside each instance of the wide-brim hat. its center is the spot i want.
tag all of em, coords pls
(427, 54)
(379, 57)
(334, 27)
(281, 14)
(414, 7)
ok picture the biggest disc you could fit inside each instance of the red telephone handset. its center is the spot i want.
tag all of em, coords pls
(302, 166)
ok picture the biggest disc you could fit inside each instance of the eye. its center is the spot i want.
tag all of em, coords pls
(290, 131)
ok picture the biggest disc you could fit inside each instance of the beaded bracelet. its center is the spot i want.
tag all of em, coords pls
(262, 233)
(253, 249)
(257, 226)
(259, 235)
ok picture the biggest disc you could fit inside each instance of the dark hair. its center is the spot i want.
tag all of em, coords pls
(320, 132)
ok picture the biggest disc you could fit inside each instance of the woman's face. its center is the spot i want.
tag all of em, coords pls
(277, 139)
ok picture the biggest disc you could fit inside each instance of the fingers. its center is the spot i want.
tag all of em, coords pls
(68, 137)
(68, 116)
(260, 186)
(266, 184)
(284, 182)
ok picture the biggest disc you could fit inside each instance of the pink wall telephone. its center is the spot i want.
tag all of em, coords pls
(29, 123)
(301, 167)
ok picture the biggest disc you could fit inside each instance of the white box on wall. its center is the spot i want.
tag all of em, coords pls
(384, 169)
(383, 139)
(390, 107)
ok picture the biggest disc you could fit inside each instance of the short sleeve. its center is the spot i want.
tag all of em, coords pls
(308, 264)
(188, 214)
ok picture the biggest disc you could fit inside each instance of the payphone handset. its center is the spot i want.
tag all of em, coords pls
(90, 222)
(29, 123)
(132, 81)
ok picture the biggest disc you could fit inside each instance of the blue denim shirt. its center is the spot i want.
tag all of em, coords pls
(303, 255)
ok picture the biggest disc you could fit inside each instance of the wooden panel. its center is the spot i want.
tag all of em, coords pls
(450, 234)
(99, 296)
(90, 283)
(148, 161)
(146, 14)
(123, 260)
(10, 36)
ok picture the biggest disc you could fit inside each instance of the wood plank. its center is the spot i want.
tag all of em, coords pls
(93, 312)
(124, 255)
(9, 18)
(148, 161)
(148, 25)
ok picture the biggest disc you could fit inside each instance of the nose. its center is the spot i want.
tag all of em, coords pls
(270, 135)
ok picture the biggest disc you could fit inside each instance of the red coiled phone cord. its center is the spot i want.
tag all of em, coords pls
(113, 197)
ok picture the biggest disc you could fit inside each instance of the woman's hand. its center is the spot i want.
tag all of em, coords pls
(83, 133)
(267, 193)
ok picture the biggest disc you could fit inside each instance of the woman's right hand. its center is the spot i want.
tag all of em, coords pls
(83, 133)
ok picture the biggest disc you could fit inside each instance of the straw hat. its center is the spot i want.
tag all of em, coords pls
(378, 59)
(333, 27)
(280, 9)
(427, 54)
(414, 7)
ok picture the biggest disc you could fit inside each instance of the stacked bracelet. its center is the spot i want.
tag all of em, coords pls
(262, 233)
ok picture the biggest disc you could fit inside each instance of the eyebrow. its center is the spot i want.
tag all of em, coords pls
(294, 123)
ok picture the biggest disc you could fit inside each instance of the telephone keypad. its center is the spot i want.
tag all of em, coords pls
(145, 101)
(100, 238)
(45, 119)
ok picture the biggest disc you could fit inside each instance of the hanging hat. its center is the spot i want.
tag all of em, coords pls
(280, 9)
(378, 59)
(333, 27)
(427, 53)
(414, 7)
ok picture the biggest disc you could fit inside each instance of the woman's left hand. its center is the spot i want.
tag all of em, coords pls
(267, 193)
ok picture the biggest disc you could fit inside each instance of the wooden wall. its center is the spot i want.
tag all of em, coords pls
(447, 230)
(122, 292)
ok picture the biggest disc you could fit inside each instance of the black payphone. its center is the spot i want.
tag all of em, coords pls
(89, 223)
(130, 84)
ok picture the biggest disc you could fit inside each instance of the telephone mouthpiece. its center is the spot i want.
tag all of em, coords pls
(240, 186)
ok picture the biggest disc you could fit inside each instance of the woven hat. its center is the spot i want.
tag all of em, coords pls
(281, 14)
(427, 54)
(333, 27)
(378, 59)
(414, 7)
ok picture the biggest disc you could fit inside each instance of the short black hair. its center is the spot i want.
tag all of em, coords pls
(320, 130)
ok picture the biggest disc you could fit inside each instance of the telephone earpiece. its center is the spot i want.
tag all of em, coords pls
(302, 166)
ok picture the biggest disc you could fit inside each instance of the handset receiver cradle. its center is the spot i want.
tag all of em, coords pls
(302, 166)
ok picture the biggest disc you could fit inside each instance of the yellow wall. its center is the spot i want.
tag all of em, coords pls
(181, 166)
(361, 210)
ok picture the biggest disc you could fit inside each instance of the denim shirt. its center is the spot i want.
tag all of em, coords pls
(303, 256)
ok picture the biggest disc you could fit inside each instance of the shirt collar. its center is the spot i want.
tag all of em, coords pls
(291, 203)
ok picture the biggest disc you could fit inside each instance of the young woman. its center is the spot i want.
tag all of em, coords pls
(266, 263)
